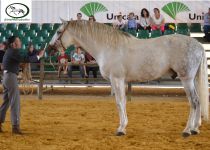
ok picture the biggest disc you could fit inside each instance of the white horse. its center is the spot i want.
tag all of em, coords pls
(123, 58)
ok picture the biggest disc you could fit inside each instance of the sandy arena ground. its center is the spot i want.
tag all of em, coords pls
(75, 122)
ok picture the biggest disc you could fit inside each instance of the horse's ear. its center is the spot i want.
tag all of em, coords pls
(63, 21)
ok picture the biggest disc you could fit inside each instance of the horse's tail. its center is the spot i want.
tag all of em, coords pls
(203, 92)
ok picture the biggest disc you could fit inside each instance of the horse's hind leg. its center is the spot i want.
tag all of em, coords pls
(195, 113)
(119, 87)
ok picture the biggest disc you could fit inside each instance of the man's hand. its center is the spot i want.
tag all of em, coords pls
(41, 53)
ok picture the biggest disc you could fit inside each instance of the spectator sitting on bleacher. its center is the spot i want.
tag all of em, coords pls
(158, 21)
(77, 58)
(131, 24)
(79, 16)
(33, 52)
(145, 20)
(119, 24)
(206, 26)
(63, 63)
(92, 18)
(90, 60)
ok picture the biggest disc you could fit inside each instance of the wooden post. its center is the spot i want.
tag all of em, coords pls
(129, 92)
(41, 80)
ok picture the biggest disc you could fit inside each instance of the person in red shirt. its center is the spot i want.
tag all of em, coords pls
(63, 63)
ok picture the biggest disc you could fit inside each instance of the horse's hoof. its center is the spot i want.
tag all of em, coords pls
(120, 133)
(194, 132)
(185, 134)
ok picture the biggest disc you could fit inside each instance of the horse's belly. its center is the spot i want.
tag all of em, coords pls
(141, 78)
(146, 73)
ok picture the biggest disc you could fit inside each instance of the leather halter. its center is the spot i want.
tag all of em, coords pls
(59, 38)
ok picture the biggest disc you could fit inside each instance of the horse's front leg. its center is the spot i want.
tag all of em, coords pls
(118, 85)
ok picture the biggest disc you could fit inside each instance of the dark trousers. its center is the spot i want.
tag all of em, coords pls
(206, 29)
(74, 68)
(147, 28)
(11, 97)
(93, 69)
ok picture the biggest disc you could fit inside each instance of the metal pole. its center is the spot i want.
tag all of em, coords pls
(41, 80)
(129, 91)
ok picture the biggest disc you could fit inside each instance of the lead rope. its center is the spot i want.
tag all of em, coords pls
(50, 56)
(51, 62)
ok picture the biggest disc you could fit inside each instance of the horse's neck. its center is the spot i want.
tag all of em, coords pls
(87, 42)
(98, 48)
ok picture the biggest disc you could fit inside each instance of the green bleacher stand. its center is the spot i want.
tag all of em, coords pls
(143, 34)
(195, 27)
(25, 40)
(56, 26)
(39, 40)
(44, 33)
(31, 33)
(19, 33)
(50, 36)
(183, 32)
(181, 26)
(47, 26)
(156, 33)
(2, 28)
(51, 33)
(37, 46)
(51, 59)
(12, 26)
(35, 26)
(69, 50)
(132, 32)
(6, 33)
(24, 47)
(168, 32)
(24, 27)
(2, 39)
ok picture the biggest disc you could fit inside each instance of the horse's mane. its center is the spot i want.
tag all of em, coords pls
(99, 32)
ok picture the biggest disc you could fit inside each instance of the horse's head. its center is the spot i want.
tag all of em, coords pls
(61, 39)
(12, 7)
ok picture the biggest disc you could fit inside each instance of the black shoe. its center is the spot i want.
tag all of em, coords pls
(16, 129)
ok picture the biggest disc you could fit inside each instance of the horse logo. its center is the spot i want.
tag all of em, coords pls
(17, 10)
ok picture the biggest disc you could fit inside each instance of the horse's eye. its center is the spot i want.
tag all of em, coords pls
(58, 32)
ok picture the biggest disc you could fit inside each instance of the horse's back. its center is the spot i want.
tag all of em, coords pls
(151, 59)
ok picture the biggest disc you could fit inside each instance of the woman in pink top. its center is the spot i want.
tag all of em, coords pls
(158, 21)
